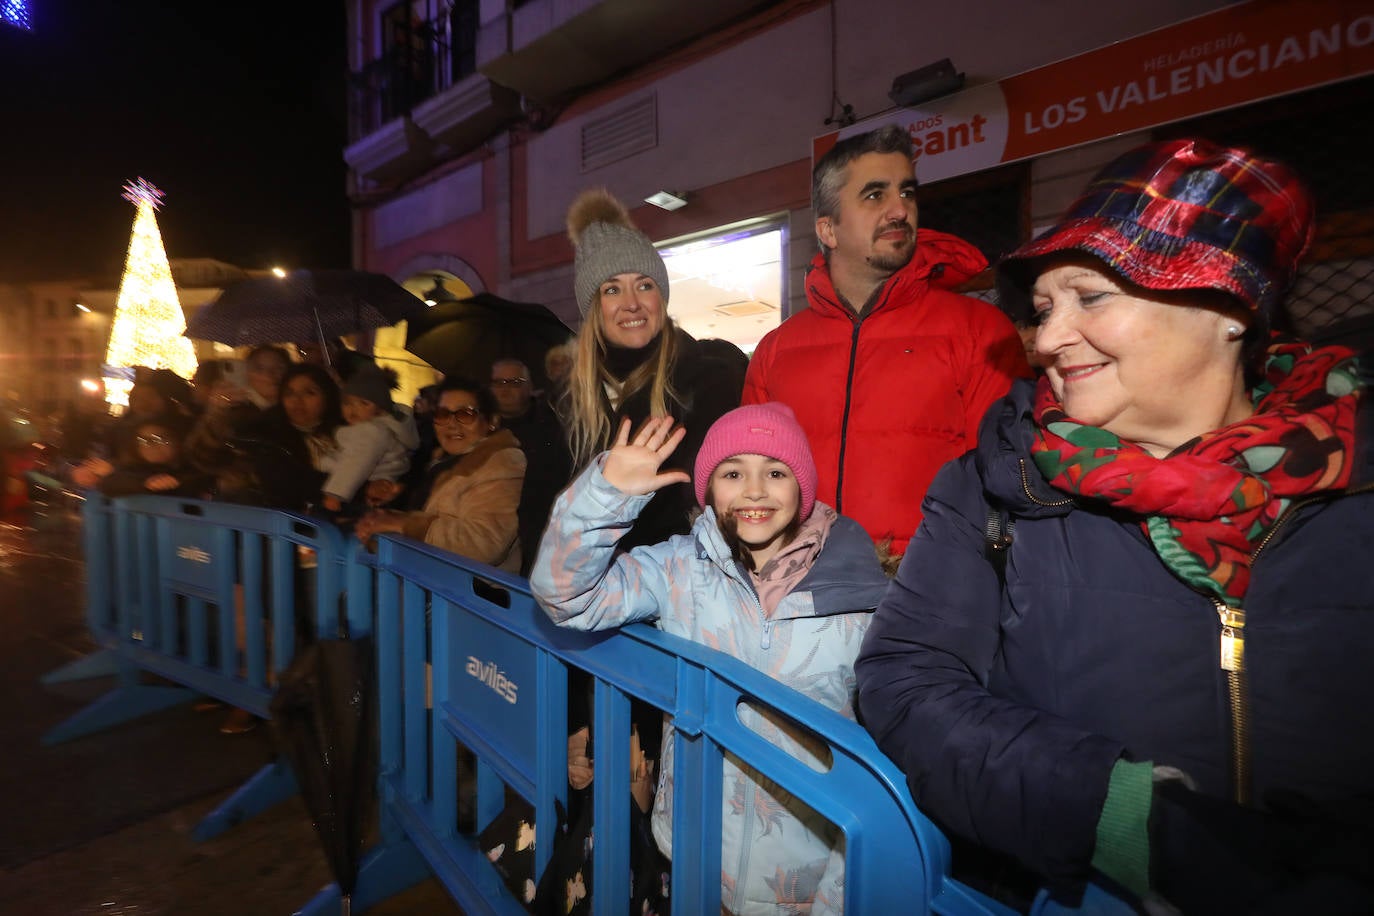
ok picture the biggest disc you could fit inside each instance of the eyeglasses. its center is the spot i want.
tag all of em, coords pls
(153, 441)
(462, 414)
(507, 382)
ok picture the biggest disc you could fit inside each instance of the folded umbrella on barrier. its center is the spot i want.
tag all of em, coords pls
(322, 715)
(304, 305)
(464, 337)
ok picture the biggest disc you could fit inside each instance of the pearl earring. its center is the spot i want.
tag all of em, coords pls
(1234, 331)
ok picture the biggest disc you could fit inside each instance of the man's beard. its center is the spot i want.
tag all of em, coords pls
(893, 261)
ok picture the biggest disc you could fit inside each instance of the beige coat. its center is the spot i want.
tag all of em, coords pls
(472, 506)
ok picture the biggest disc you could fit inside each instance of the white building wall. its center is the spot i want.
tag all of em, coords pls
(758, 104)
(746, 109)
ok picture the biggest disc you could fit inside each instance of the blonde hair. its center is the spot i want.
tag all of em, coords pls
(589, 428)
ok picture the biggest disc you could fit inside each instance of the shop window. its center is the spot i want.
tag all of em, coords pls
(984, 209)
(1325, 134)
(728, 283)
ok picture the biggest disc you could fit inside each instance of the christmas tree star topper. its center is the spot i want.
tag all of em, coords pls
(142, 191)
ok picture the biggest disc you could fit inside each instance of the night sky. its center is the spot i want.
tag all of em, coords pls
(236, 111)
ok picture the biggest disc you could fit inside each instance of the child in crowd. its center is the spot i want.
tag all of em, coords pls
(767, 575)
(377, 442)
(153, 462)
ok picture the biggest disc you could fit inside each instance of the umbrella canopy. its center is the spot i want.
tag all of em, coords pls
(323, 719)
(465, 337)
(305, 305)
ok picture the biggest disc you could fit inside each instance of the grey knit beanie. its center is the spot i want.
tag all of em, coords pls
(607, 243)
(372, 383)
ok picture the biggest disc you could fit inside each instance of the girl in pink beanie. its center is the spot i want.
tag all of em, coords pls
(767, 575)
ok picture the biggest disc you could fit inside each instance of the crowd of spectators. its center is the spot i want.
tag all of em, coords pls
(1077, 619)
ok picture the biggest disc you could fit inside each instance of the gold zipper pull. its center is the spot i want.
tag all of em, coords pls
(1232, 636)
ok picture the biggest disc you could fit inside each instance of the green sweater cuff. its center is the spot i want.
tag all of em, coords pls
(1123, 831)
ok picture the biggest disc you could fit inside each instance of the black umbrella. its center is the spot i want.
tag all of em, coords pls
(464, 337)
(323, 718)
(304, 305)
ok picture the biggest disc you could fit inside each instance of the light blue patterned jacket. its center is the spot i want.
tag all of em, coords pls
(776, 852)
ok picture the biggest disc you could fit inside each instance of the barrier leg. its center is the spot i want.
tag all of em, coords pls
(385, 872)
(100, 663)
(269, 786)
(130, 700)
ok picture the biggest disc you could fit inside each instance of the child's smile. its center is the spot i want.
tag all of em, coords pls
(762, 497)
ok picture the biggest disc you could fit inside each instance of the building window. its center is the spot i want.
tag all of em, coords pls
(407, 58)
(463, 21)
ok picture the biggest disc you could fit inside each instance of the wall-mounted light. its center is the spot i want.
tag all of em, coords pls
(439, 293)
(668, 200)
(929, 82)
(278, 272)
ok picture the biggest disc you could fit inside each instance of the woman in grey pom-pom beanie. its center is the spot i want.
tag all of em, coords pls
(632, 360)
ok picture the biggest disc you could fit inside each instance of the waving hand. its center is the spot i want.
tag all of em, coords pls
(632, 467)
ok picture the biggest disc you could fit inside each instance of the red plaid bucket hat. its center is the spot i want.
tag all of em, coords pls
(1185, 214)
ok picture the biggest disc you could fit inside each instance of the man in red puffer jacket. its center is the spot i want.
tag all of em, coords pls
(888, 371)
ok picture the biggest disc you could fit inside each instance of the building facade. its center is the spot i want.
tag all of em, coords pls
(474, 123)
(54, 334)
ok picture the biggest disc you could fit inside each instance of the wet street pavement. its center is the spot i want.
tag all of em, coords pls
(103, 824)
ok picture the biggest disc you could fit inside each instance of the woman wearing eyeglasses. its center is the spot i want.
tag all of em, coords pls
(473, 491)
(155, 464)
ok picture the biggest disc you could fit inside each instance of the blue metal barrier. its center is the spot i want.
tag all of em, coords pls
(167, 577)
(167, 582)
(499, 688)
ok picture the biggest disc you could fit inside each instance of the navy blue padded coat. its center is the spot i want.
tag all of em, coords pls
(1007, 707)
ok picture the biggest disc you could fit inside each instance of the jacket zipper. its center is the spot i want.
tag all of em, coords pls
(1232, 655)
(844, 420)
(1233, 663)
(1025, 485)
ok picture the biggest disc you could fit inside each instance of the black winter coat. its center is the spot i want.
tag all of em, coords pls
(708, 376)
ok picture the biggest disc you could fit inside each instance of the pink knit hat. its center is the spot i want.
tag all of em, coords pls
(770, 430)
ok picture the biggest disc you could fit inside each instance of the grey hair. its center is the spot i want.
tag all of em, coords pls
(830, 172)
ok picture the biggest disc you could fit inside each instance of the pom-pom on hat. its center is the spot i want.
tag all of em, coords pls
(1183, 214)
(372, 383)
(768, 429)
(607, 244)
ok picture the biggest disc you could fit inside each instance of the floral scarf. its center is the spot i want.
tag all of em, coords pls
(1209, 503)
(785, 571)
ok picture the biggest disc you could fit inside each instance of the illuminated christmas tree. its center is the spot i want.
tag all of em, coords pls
(148, 321)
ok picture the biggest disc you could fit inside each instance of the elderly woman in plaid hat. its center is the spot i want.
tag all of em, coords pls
(1132, 642)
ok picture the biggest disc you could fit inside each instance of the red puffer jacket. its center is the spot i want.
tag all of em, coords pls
(887, 398)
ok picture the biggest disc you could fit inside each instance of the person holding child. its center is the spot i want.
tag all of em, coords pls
(768, 575)
(375, 445)
(473, 495)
